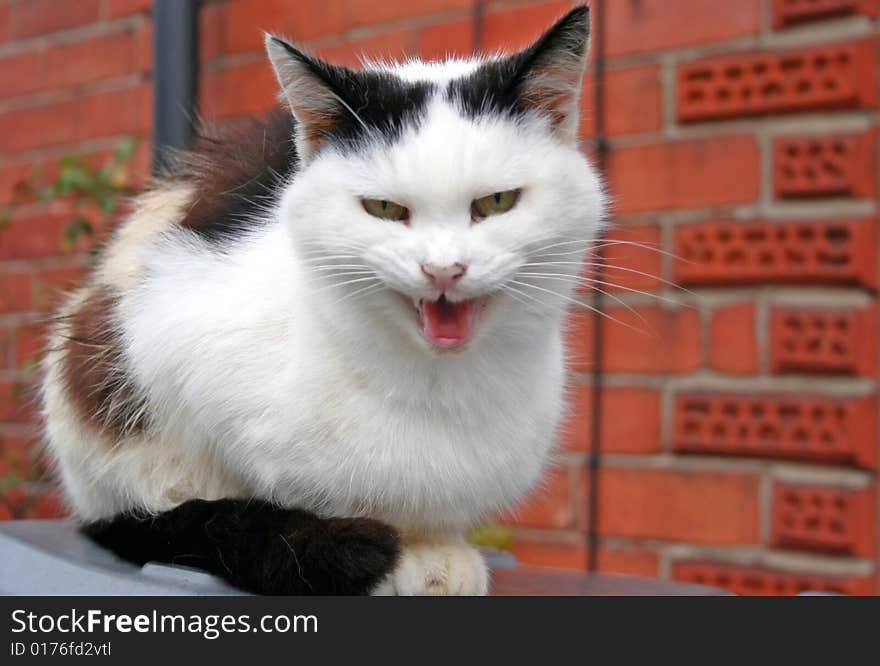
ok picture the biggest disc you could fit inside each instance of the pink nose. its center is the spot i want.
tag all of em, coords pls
(443, 276)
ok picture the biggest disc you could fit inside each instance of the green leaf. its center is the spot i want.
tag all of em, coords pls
(77, 227)
(47, 193)
(106, 201)
(124, 149)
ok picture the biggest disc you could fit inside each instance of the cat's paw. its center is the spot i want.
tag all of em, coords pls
(437, 569)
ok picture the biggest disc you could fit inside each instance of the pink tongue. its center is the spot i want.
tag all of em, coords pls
(447, 324)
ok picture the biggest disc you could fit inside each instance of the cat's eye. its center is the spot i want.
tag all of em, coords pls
(386, 210)
(494, 204)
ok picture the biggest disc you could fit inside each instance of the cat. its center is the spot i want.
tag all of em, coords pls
(320, 349)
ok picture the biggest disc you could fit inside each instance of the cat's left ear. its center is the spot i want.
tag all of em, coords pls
(314, 91)
(548, 73)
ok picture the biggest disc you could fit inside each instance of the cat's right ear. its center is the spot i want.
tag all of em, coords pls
(307, 85)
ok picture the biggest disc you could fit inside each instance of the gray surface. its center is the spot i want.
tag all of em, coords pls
(49, 557)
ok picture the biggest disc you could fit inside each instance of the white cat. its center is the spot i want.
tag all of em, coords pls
(355, 309)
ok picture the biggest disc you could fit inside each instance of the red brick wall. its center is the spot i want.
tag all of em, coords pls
(739, 422)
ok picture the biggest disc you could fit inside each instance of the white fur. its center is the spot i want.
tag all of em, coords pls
(263, 378)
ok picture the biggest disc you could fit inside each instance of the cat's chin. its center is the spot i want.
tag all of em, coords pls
(445, 324)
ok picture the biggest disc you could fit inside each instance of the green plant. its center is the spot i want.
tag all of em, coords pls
(82, 185)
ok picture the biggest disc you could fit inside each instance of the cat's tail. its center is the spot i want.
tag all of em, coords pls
(258, 547)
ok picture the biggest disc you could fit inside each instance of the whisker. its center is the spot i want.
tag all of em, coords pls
(346, 282)
(360, 293)
(578, 303)
(603, 292)
(590, 281)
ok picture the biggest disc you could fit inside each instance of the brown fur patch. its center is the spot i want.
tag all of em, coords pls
(93, 369)
(236, 173)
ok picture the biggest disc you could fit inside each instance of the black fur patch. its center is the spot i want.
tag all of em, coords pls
(259, 547)
(497, 87)
(376, 104)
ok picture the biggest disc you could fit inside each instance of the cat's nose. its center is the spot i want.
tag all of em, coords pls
(443, 277)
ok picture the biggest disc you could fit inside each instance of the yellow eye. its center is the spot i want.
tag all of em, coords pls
(494, 204)
(386, 210)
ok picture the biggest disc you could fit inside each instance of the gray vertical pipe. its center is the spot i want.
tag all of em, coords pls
(175, 75)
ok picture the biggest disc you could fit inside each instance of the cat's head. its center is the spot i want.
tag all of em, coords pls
(444, 202)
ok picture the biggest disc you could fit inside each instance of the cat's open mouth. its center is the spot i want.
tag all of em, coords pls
(447, 324)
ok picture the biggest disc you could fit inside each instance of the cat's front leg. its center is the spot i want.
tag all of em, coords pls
(437, 566)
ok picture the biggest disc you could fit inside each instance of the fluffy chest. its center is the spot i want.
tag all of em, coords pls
(353, 450)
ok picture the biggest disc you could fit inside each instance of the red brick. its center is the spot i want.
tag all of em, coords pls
(15, 456)
(560, 554)
(28, 346)
(684, 174)
(16, 401)
(821, 166)
(824, 519)
(115, 112)
(759, 580)
(630, 420)
(51, 283)
(91, 59)
(5, 511)
(839, 76)
(15, 291)
(117, 8)
(5, 352)
(236, 90)
(240, 24)
(22, 73)
(34, 236)
(4, 23)
(651, 339)
(45, 505)
(791, 12)
(512, 29)
(630, 561)
(808, 252)
(450, 39)
(368, 12)
(579, 340)
(631, 259)
(824, 340)
(678, 505)
(38, 126)
(633, 93)
(396, 45)
(652, 25)
(211, 19)
(15, 499)
(838, 431)
(573, 555)
(733, 347)
(38, 17)
(558, 501)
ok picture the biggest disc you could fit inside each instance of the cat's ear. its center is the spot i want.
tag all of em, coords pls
(311, 88)
(548, 73)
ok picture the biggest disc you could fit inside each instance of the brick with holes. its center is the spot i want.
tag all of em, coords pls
(807, 252)
(838, 431)
(830, 76)
(824, 166)
(824, 340)
(753, 580)
(824, 519)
